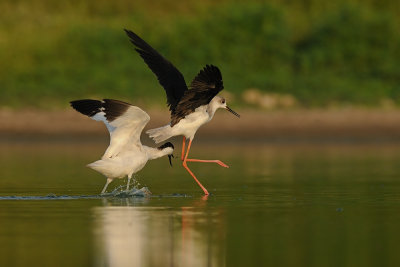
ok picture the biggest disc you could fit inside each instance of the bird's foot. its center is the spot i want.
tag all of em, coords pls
(220, 163)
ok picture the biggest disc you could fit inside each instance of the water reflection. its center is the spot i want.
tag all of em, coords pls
(158, 236)
(277, 205)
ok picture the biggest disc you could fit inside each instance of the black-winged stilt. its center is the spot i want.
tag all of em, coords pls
(189, 108)
(125, 155)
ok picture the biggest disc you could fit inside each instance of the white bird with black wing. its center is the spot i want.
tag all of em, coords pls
(125, 155)
(190, 109)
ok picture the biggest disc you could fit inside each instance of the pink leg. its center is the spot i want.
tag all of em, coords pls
(209, 160)
(190, 172)
(201, 160)
(183, 148)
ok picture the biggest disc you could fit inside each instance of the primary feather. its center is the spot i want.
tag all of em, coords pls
(124, 122)
(168, 75)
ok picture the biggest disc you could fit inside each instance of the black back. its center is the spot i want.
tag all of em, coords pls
(207, 84)
(168, 76)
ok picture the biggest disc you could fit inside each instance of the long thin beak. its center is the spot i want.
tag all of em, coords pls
(169, 157)
(233, 112)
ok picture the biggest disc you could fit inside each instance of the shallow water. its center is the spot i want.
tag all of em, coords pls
(278, 205)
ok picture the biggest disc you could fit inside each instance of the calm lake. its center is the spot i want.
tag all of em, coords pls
(279, 204)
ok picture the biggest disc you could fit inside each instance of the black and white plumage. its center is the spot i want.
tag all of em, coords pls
(181, 100)
(190, 108)
(125, 155)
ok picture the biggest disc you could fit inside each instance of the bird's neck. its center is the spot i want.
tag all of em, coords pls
(211, 110)
(155, 153)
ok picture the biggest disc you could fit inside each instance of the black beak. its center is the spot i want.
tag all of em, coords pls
(169, 157)
(233, 112)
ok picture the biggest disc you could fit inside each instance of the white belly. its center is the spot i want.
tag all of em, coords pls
(192, 122)
(120, 166)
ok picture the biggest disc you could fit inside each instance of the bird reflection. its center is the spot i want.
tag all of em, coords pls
(152, 236)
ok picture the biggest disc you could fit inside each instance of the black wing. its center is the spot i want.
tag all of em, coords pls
(207, 84)
(112, 108)
(169, 77)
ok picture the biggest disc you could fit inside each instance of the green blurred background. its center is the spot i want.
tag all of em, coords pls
(307, 53)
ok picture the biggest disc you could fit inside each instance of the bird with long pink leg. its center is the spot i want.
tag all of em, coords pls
(190, 108)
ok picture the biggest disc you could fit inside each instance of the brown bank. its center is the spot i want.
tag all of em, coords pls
(302, 125)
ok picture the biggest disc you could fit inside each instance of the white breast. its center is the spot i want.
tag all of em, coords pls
(127, 163)
(189, 125)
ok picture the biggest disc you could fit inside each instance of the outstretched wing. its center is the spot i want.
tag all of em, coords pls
(169, 77)
(124, 122)
(207, 84)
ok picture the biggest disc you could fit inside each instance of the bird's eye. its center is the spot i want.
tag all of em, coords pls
(223, 101)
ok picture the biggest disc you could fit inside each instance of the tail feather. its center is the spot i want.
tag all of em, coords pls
(160, 134)
(97, 166)
(104, 167)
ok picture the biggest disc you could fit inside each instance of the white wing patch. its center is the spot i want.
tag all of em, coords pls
(101, 116)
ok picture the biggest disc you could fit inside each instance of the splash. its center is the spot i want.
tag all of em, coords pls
(133, 192)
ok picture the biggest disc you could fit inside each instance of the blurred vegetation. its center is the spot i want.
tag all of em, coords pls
(322, 53)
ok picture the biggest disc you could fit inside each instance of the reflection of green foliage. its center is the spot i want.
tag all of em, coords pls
(339, 53)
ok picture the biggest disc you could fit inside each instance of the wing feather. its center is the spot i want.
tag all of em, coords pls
(123, 121)
(207, 84)
(168, 75)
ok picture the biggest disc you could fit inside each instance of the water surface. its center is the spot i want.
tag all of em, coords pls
(278, 205)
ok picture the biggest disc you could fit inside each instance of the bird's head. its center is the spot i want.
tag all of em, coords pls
(167, 149)
(220, 102)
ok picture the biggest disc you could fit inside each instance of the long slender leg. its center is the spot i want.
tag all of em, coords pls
(190, 172)
(107, 183)
(183, 148)
(201, 160)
